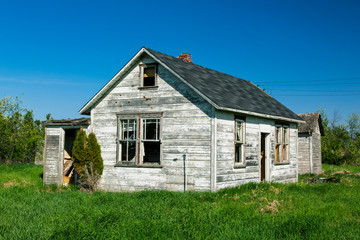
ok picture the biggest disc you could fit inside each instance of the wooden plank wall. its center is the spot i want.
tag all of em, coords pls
(317, 158)
(227, 175)
(53, 156)
(288, 172)
(304, 153)
(185, 126)
(310, 152)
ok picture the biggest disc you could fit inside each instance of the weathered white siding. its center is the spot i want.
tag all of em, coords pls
(185, 126)
(228, 175)
(310, 153)
(286, 172)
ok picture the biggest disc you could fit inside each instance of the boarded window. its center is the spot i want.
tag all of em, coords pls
(239, 142)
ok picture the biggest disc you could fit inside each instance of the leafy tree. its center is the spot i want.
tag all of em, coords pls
(353, 123)
(21, 137)
(341, 143)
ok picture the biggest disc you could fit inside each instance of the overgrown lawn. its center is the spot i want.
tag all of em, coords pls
(251, 211)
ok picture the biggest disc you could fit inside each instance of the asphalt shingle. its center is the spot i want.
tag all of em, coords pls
(225, 90)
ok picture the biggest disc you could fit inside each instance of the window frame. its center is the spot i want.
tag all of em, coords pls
(139, 150)
(142, 72)
(282, 144)
(241, 143)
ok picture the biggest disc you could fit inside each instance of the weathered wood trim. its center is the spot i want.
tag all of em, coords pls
(213, 151)
(311, 153)
(61, 156)
(44, 156)
(107, 86)
(259, 115)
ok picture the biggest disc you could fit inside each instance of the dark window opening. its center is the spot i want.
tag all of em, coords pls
(151, 152)
(149, 77)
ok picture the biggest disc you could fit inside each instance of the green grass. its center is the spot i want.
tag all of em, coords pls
(251, 211)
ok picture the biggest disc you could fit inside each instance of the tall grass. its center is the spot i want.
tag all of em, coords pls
(251, 211)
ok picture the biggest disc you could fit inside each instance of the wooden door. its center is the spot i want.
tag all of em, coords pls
(262, 157)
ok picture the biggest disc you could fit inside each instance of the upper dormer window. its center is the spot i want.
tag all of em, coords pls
(148, 75)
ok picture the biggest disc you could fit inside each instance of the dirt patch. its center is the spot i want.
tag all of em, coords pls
(341, 172)
(274, 190)
(270, 207)
(11, 184)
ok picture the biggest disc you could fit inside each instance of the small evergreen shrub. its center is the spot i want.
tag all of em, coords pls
(87, 160)
(79, 152)
(94, 154)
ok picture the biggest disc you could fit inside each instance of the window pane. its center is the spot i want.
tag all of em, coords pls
(131, 151)
(151, 152)
(149, 72)
(127, 150)
(286, 135)
(151, 129)
(277, 134)
(149, 77)
(128, 129)
(239, 131)
(123, 151)
(238, 153)
(277, 153)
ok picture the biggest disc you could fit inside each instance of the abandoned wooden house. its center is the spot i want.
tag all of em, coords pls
(166, 123)
(59, 140)
(310, 132)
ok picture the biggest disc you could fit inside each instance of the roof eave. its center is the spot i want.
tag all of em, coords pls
(261, 115)
(85, 110)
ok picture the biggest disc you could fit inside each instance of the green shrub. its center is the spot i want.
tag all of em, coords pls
(79, 151)
(87, 159)
(94, 154)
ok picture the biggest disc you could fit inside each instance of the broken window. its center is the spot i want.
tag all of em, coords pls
(239, 141)
(282, 135)
(149, 74)
(127, 140)
(139, 146)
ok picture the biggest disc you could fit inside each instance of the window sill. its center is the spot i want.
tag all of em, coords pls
(281, 163)
(239, 165)
(148, 88)
(138, 166)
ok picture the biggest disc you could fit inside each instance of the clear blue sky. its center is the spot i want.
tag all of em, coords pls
(58, 54)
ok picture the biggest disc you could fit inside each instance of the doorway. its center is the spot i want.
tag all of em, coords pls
(263, 158)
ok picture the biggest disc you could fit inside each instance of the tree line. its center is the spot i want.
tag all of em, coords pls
(21, 136)
(341, 143)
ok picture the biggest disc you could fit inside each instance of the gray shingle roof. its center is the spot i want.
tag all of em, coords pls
(68, 122)
(313, 122)
(225, 90)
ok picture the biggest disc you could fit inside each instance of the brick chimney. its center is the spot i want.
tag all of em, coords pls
(185, 57)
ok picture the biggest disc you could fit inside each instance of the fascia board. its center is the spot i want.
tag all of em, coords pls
(260, 115)
(85, 109)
